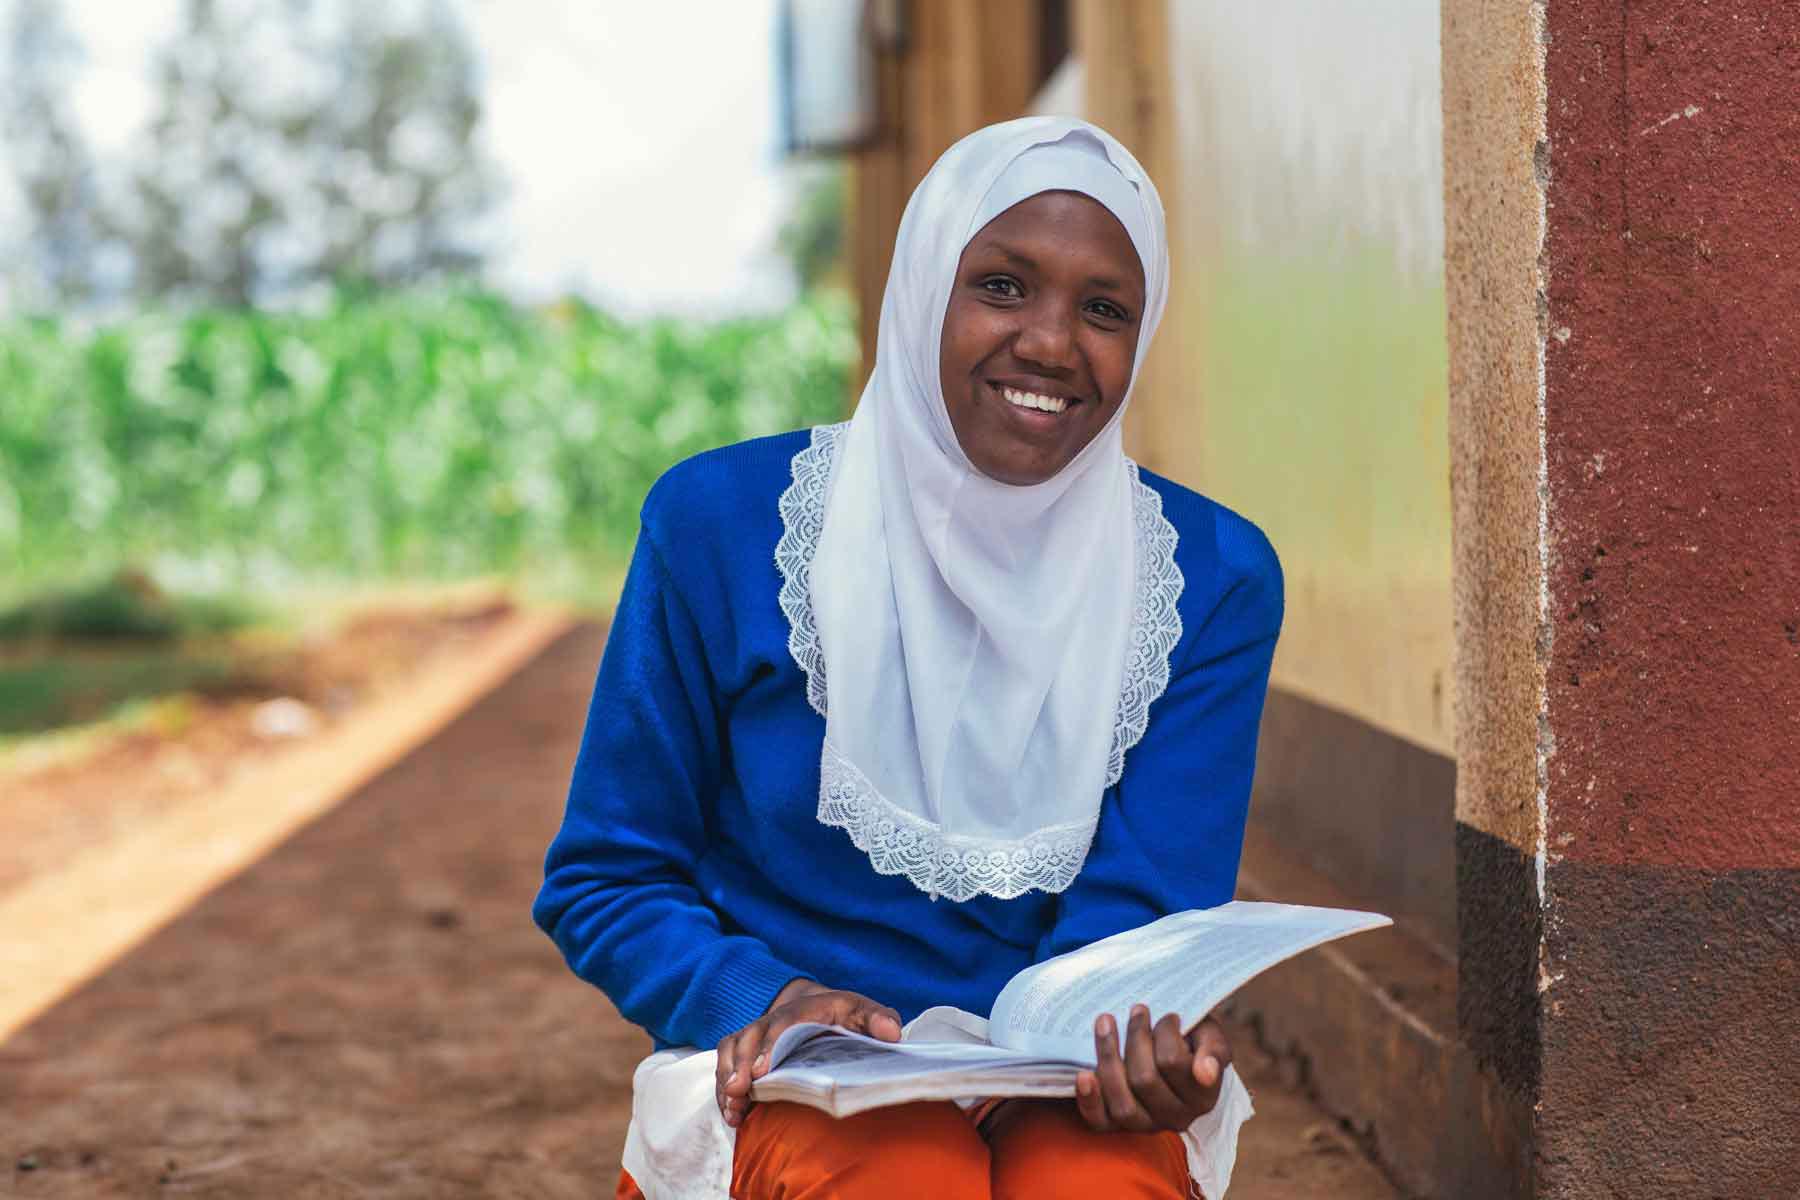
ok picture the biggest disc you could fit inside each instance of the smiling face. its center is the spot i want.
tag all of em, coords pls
(1040, 335)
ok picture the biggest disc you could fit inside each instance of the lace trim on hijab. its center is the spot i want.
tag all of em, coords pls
(1155, 621)
(941, 864)
(802, 521)
(899, 843)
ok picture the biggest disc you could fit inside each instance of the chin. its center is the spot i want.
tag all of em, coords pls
(1018, 471)
(995, 447)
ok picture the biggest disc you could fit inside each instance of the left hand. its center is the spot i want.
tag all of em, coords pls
(1164, 1080)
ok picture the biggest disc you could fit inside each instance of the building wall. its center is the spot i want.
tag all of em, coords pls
(1672, 686)
(1626, 419)
(1313, 394)
(1495, 210)
(1301, 378)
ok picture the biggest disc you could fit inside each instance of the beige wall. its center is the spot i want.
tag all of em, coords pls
(1301, 375)
(1495, 106)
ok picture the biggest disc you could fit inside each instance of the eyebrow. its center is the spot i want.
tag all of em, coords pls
(1106, 282)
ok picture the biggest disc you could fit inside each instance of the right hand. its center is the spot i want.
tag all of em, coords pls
(744, 1058)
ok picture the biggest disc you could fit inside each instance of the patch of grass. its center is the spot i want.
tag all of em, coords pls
(77, 654)
(126, 606)
(45, 693)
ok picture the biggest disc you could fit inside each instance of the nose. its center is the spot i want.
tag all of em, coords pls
(1046, 339)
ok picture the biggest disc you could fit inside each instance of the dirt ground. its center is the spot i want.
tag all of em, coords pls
(370, 1012)
(60, 798)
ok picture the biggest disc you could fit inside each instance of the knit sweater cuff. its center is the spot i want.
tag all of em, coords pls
(741, 989)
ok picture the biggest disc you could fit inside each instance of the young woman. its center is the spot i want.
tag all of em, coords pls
(895, 708)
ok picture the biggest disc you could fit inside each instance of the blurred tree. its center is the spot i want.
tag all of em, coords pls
(812, 236)
(297, 142)
(408, 104)
(207, 192)
(50, 168)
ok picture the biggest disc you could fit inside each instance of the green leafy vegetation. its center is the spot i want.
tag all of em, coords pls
(126, 606)
(75, 654)
(54, 691)
(428, 435)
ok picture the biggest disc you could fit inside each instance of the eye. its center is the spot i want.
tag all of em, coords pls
(1003, 286)
(1108, 310)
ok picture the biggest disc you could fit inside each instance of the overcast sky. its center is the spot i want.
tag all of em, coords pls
(638, 139)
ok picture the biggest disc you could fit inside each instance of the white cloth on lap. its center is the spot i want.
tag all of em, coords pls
(679, 1147)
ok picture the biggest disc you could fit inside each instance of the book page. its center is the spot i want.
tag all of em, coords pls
(935, 1026)
(946, 1023)
(844, 1076)
(855, 1059)
(1186, 963)
(846, 1072)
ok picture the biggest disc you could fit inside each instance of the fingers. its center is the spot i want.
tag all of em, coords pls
(1142, 1070)
(1212, 1054)
(876, 1020)
(1209, 1038)
(1175, 1064)
(1160, 1079)
(731, 1076)
(744, 1055)
(726, 1068)
(1089, 1104)
(1122, 1107)
(754, 1058)
(744, 1058)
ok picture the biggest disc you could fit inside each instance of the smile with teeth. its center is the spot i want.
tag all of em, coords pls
(1049, 404)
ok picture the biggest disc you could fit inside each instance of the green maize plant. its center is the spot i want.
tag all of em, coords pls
(417, 435)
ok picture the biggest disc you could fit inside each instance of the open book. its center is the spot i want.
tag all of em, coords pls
(1040, 1034)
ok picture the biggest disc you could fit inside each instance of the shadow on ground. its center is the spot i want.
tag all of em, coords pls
(370, 1012)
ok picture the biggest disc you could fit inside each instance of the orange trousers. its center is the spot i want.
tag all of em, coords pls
(1042, 1150)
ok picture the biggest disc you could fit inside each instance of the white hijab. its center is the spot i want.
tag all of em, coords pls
(975, 635)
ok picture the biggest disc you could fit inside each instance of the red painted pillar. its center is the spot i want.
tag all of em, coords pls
(1629, 669)
(1672, 453)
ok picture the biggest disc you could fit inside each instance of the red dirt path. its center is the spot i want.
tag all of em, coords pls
(370, 1012)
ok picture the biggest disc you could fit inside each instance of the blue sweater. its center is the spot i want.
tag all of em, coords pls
(691, 878)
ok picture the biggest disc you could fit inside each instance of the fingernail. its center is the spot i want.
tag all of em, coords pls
(1083, 1085)
(1104, 1026)
(731, 1079)
(1211, 1067)
(1140, 1010)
